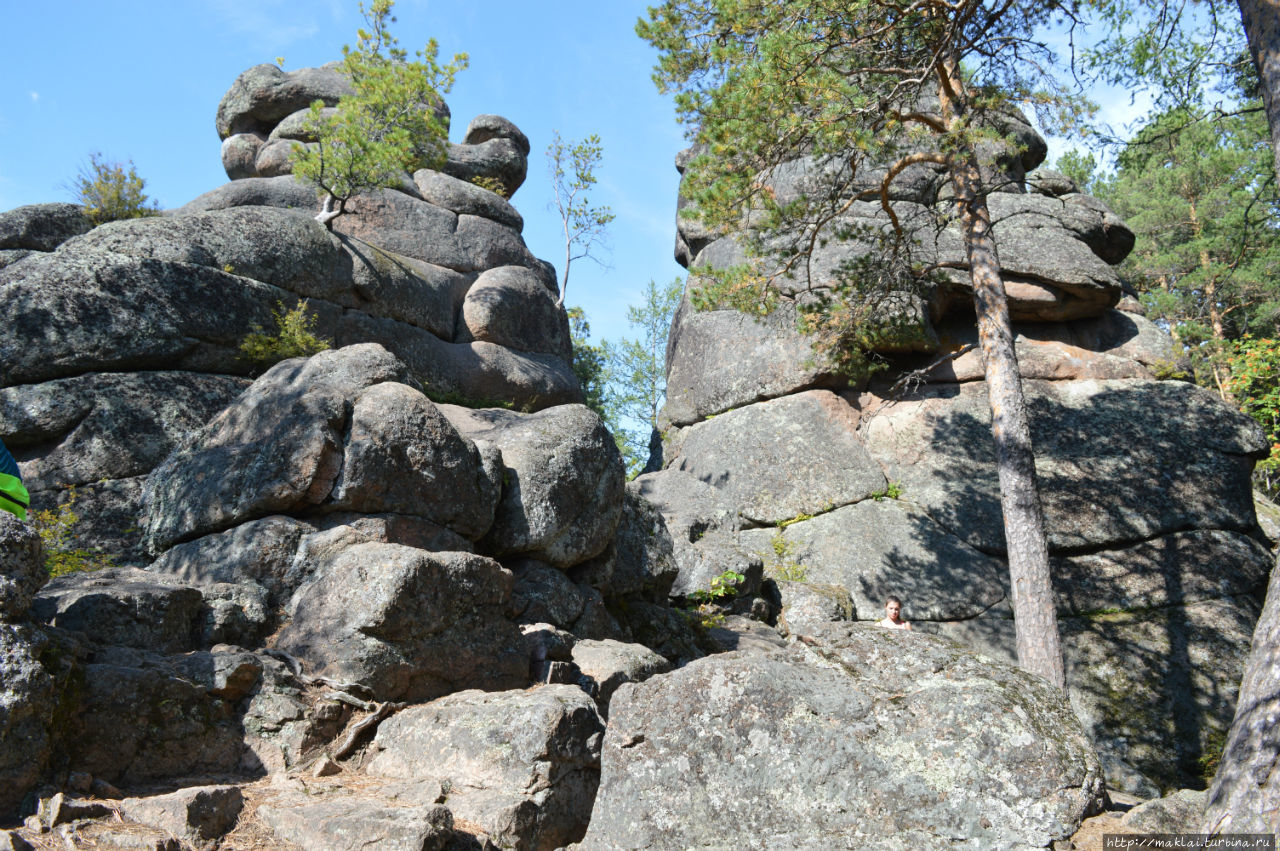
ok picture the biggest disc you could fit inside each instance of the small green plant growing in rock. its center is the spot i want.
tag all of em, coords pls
(784, 564)
(56, 528)
(893, 491)
(724, 585)
(493, 184)
(111, 191)
(294, 337)
(704, 600)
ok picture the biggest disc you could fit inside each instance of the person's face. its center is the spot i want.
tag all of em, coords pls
(893, 610)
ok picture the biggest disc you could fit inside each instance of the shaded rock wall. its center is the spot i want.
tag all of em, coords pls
(850, 490)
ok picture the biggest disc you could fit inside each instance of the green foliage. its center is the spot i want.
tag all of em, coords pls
(294, 337)
(784, 564)
(390, 125)
(760, 85)
(589, 362)
(1081, 167)
(1199, 192)
(1254, 366)
(636, 371)
(1178, 54)
(571, 166)
(57, 531)
(111, 191)
(893, 491)
(493, 184)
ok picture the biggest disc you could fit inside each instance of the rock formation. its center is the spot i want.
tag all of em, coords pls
(127, 337)
(400, 592)
(852, 489)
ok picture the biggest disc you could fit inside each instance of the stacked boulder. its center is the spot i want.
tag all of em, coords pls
(324, 545)
(126, 337)
(849, 489)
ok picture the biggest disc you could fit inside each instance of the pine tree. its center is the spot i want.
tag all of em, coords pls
(390, 125)
(858, 84)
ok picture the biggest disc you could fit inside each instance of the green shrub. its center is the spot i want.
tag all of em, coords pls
(784, 565)
(111, 191)
(56, 528)
(294, 337)
(493, 184)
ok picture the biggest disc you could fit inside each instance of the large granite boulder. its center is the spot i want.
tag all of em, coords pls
(335, 432)
(562, 481)
(1145, 482)
(41, 227)
(125, 607)
(784, 458)
(862, 736)
(522, 765)
(29, 704)
(408, 624)
(1244, 796)
(142, 320)
(279, 448)
(22, 570)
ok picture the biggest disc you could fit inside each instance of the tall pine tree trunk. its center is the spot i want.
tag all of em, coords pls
(1245, 794)
(1034, 612)
(1262, 27)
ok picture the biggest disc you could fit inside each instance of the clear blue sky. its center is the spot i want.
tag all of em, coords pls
(141, 80)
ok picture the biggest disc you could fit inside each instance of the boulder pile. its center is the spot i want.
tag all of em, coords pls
(127, 337)
(849, 489)
(399, 593)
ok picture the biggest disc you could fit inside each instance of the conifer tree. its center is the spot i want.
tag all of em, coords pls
(392, 123)
(857, 84)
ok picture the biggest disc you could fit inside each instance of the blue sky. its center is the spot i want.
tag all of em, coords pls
(142, 80)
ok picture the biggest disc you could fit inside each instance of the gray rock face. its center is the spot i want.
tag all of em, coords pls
(351, 823)
(522, 765)
(110, 426)
(197, 814)
(641, 560)
(499, 158)
(563, 485)
(264, 94)
(285, 192)
(783, 458)
(42, 227)
(860, 739)
(126, 607)
(279, 449)
(485, 127)
(465, 243)
(408, 624)
(1187, 658)
(806, 604)
(402, 456)
(28, 703)
(460, 196)
(22, 571)
(511, 307)
(611, 663)
(723, 359)
(1243, 795)
(1117, 460)
(175, 729)
(880, 548)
